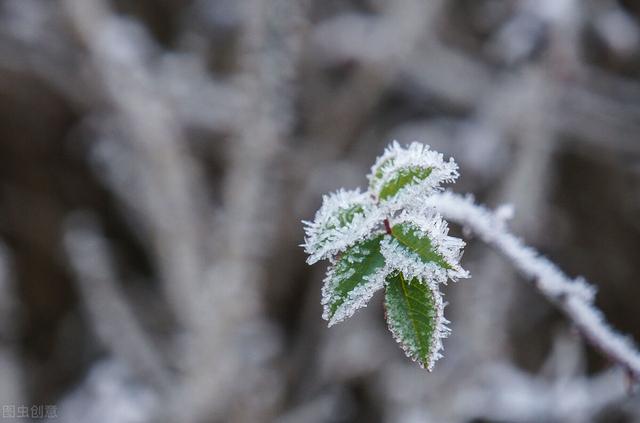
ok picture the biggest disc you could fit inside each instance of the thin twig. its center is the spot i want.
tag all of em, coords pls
(111, 316)
(573, 296)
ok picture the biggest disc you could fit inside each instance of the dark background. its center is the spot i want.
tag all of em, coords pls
(157, 157)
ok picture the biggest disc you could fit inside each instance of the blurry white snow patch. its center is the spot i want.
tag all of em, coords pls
(109, 395)
(619, 31)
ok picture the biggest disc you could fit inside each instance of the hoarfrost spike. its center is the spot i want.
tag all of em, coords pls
(402, 175)
(353, 280)
(345, 218)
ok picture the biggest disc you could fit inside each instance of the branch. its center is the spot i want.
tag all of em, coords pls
(106, 306)
(573, 296)
(165, 169)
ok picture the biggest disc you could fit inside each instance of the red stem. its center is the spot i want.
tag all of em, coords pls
(387, 226)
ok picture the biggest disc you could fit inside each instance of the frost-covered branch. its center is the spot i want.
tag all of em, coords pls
(164, 168)
(413, 254)
(573, 296)
(114, 322)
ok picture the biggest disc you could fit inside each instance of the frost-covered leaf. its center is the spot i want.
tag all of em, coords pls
(402, 175)
(421, 247)
(346, 215)
(412, 238)
(414, 312)
(410, 255)
(352, 281)
(345, 218)
(401, 178)
(378, 169)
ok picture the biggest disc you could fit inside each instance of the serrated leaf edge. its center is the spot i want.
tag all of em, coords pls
(358, 298)
(396, 158)
(325, 238)
(441, 330)
(433, 226)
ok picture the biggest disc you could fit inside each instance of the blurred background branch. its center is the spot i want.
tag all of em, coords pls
(156, 158)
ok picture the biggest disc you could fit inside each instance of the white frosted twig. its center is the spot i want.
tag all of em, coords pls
(111, 316)
(573, 296)
(164, 167)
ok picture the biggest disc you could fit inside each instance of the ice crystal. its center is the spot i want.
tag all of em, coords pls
(357, 298)
(402, 175)
(574, 296)
(409, 263)
(432, 227)
(420, 340)
(345, 218)
(492, 229)
(353, 280)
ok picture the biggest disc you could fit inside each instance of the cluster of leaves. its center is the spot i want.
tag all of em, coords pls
(387, 238)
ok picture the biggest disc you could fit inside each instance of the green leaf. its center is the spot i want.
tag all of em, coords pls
(413, 318)
(378, 172)
(353, 280)
(342, 217)
(346, 215)
(414, 240)
(402, 178)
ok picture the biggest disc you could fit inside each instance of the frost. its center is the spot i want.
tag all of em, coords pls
(492, 229)
(505, 212)
(353, 280)
(356, 299)
(432, 226)
(348, 230)
(415, 156)
(573, 296)
(400, 328)
(410, 264)
(416, 254)
(345, 218)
